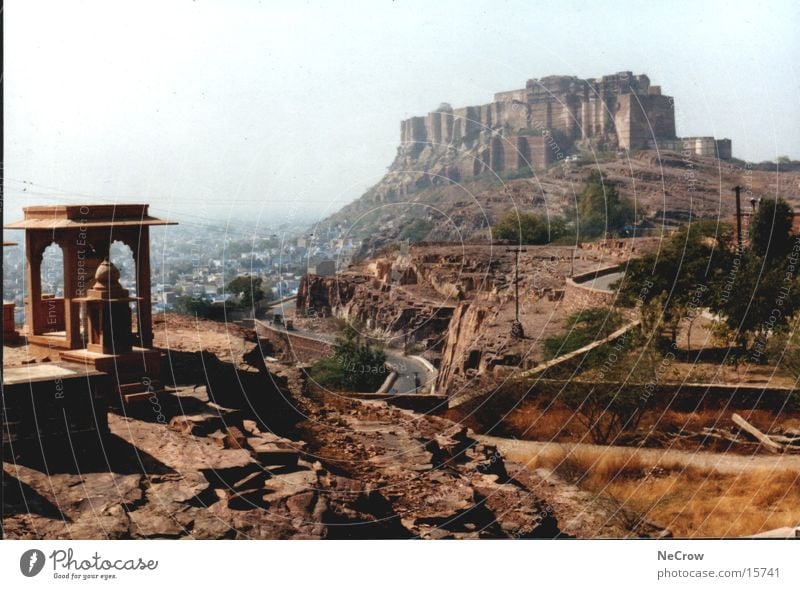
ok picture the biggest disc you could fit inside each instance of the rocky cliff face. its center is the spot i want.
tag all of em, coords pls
(384, 309)
(456, 301)
(477, 346)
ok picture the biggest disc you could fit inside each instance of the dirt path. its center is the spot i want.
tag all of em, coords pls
(726, 463)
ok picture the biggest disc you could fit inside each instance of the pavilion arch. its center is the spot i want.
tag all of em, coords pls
(121, 255)
(51, 299)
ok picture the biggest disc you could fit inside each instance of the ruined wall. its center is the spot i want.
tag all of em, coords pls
(289, 346)
(724, 149)
(579, 296)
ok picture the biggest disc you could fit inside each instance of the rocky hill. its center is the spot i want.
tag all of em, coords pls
(458, 169)
(419, 203)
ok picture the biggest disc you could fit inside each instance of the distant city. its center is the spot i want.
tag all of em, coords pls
(190, 260)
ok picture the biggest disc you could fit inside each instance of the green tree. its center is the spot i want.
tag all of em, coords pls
(601, 210)
(248, 289)
(771, 229)
(766, 281)
(767, 296)
(684, 274)
(529, 228)
(784, 346)
(198, 307)
(356, 365)
(583, 328)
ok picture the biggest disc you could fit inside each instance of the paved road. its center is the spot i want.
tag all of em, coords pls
(604, 282)
(412, 374)
(726, 462)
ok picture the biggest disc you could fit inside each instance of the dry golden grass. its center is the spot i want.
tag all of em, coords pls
(557, 423)
(529, 421)
(690, 502)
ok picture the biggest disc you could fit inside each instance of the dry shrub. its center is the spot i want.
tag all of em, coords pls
(530, 421)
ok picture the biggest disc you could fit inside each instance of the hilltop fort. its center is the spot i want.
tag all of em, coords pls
(548, 120)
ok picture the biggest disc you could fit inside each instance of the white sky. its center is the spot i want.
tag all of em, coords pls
(247, 109)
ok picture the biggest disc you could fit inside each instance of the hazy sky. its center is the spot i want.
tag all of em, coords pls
(217, 109)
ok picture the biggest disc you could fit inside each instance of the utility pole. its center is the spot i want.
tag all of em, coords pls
(516, 328)
(737, 189)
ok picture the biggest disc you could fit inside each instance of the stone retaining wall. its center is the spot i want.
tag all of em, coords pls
(302, 348)
(578, 295)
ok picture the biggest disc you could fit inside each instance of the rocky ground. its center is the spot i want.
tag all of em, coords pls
(238, 449)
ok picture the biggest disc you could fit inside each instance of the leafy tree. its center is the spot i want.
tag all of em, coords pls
(248, 289)
(199, 307)
(601, 210)
(771, 229)
(754, 293)
(529, 228)
(784, 346)
(355, 365)
(684, 274)
(766, 297)
(766, 281)
(583, 328)
(636, 358)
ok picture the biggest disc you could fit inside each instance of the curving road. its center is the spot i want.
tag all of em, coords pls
(413, 376)
(604, 282)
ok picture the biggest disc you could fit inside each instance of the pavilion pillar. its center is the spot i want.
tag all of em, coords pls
(33, 257)
(72, 322)
(144, 314)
